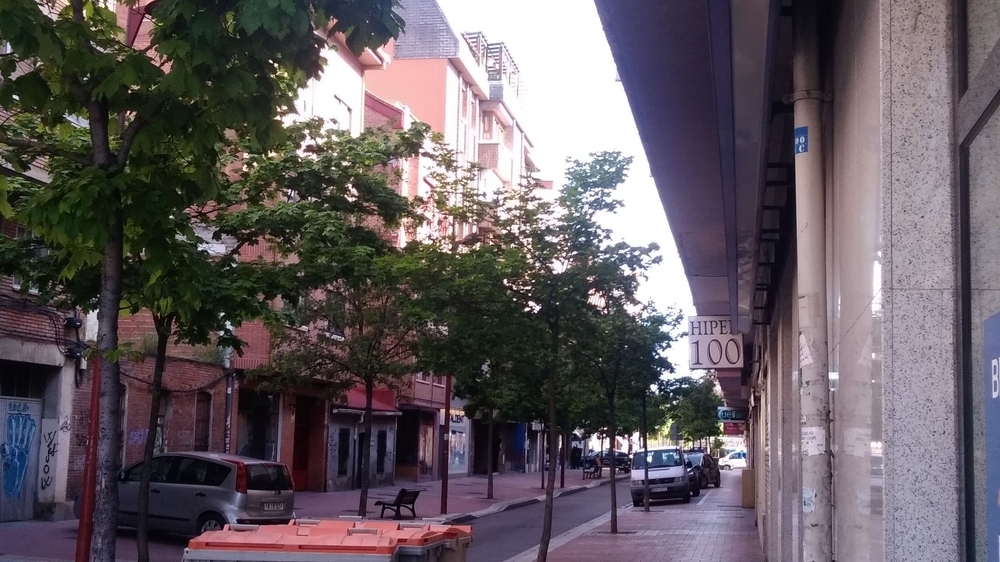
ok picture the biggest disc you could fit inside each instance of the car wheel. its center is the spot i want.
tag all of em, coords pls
(636, 502)
(687, 495)
(210, 522)
(724, 467)
(718, 481)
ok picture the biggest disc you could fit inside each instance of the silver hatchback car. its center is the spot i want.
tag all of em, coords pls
(191, 493)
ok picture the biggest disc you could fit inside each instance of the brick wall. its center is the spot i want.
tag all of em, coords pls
(183, 379)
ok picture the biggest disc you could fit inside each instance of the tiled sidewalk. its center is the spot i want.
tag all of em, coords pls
(712, 528)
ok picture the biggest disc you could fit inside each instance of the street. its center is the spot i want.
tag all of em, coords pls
(496, 537)
(499, 537)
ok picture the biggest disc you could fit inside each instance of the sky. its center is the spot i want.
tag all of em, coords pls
(573, 106)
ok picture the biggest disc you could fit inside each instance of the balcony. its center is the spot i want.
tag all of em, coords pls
(494, 156)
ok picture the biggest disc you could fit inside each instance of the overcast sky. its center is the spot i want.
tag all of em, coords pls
(572, 106)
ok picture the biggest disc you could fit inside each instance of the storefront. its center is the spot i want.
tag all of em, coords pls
(459, 440)
(978, 139)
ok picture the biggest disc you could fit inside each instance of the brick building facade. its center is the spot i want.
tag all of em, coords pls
(193, 412)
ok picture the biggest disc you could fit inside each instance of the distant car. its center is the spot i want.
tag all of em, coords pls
(192, 493)
(705, 469)
(622, 460)
(668, 476)
(736, 459)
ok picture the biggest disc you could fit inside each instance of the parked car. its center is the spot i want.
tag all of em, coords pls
(191, 493)
(704, 469)
(668, 476)
(622, 460)
(736, 459)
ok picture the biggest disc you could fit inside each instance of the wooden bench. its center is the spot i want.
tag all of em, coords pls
(405, 499)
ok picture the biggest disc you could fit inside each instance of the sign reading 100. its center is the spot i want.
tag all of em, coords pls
(713, 343)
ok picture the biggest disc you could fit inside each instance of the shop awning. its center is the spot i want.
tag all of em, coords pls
(698, 79)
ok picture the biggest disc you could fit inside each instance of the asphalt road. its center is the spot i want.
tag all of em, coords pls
(509, 533)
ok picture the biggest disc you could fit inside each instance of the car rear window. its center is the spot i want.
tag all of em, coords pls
(268, 477)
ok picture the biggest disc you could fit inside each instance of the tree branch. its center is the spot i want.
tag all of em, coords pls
(46, 149)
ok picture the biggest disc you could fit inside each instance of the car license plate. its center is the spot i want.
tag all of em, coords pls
(274, 507)
(659, 488)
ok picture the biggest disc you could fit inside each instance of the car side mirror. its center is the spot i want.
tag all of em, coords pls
(689, 465)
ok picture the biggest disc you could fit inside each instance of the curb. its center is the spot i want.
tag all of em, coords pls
(514, 504)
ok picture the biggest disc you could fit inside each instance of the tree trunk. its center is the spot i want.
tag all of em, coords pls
(365, 447)
(613, 467)
(600, 458)
(102, 545)
(543, 544)
(645, 452)
(163, 328)
(489, 457)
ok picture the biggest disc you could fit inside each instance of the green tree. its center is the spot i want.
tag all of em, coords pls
(570, 258)
(327, 208)
(697, 411)
(220, 68)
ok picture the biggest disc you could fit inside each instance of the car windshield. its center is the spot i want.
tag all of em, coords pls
(695, 458)
(657, 459)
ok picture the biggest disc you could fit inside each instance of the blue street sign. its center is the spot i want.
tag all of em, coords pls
(991, 417)
(801, 140)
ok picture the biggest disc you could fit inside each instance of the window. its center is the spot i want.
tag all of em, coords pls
(438, 380)
(21, 382)
(202, 421)
(422, 377)
(161, 470)
(342, 114)
(343, 451)
(268, 477)
(198, 472)
(380, 451)
(38, 251)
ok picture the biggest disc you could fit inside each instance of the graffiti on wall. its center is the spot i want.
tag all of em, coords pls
(50, 448)
(20, 430)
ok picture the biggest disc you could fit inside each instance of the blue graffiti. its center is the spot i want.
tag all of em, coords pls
(14, 453)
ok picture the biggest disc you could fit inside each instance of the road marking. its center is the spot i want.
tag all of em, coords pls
(704, 496)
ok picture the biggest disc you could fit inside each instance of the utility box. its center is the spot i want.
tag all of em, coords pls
(748, 481)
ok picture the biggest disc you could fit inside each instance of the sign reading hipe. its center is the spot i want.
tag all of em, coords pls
(801, 140)
(732, 415)
(713, 343)
(991, 417)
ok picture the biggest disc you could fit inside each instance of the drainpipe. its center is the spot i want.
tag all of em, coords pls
(810, 224)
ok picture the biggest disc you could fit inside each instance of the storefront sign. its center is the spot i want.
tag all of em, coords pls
(713, 343)
(730, 428)
(734, 415)
(991, 417)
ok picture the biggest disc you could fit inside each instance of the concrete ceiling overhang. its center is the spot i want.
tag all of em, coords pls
(697, 75)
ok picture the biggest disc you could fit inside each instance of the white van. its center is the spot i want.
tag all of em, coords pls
(736, 459)
(668, 475)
